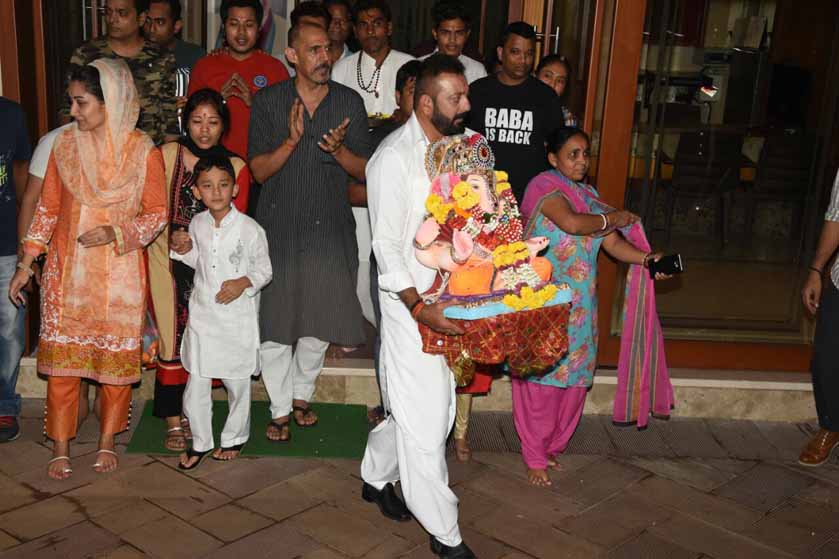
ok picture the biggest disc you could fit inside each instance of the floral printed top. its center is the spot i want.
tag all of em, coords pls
(574, 260)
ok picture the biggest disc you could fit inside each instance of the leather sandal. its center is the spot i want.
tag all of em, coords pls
(98, 464)
(175, 434)
(66, 469)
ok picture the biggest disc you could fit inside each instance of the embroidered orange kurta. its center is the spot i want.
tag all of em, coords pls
(94, 299)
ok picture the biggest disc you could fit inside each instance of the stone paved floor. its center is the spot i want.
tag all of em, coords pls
(681, 489)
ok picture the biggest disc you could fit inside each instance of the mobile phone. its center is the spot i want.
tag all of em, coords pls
(669, 265)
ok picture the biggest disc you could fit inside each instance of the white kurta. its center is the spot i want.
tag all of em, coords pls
(418, 388)
(222, 341)
(345, 72)
(474, 70)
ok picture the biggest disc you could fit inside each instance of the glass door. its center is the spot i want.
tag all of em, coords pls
(727, 161)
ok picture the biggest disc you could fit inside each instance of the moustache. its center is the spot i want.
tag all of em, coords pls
(322, 67)
(460, 116)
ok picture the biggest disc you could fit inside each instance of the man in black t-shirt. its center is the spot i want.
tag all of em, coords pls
(15, 152)
(514, 110)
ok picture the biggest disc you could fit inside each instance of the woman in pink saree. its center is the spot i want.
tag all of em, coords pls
(559, 206)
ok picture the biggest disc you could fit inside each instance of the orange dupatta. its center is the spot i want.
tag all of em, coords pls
(107, 180)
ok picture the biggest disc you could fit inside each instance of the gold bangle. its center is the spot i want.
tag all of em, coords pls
(27, 269)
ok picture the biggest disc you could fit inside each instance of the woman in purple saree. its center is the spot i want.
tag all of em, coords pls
(558, 205)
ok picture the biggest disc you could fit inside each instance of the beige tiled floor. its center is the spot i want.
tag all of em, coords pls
(703, 489)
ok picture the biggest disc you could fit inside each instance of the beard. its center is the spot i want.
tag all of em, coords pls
(449, 126)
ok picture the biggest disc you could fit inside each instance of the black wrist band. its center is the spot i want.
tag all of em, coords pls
(817, 270)
(414, 305)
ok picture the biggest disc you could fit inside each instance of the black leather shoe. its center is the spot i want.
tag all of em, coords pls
(389, 502)
(460, 551)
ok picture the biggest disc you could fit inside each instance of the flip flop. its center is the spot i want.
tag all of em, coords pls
(236, 447)
(192, 454)
(304, 410)
(279, 427)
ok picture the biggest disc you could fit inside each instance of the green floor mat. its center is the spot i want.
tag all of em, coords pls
(341, 432)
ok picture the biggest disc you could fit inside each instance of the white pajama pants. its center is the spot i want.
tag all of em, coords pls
(291, 375)
(198, 408)
(363, 238)
(410, 444)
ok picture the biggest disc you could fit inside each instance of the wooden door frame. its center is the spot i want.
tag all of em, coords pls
(10, 75)
(615, 144)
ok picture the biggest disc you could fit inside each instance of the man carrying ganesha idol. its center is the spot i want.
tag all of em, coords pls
(500, 290)
(473, 237)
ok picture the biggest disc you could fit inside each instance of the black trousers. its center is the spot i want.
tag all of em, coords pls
(168, 400)
(825, 363)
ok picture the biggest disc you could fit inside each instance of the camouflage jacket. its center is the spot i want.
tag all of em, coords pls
(154, 76)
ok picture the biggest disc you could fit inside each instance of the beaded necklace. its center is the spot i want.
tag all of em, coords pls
(372, 87)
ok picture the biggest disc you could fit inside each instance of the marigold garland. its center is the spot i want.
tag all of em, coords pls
(528, 298)
(437, 208)
(465, 196)
(510, 254)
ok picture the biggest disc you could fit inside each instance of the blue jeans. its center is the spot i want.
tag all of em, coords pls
(12, 324)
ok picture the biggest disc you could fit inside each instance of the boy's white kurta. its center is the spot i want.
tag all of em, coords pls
(222, 341)
(418, 388)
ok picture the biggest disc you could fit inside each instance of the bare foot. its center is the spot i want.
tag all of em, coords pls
(538, 477)
(59, 467)
(106, 458)
(462, 450)
(278, 430)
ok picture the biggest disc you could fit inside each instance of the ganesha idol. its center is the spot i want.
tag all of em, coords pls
(501, 289)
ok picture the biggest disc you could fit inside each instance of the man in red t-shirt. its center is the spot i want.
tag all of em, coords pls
(241, 71)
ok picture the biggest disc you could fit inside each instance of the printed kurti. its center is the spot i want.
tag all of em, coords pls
(93, 299)
(154, 76)
(574, 260)
(222, 341)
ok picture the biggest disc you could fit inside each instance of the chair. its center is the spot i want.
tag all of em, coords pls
(783, 175)
(706, 166)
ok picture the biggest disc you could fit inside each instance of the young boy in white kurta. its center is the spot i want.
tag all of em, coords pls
(229, 252)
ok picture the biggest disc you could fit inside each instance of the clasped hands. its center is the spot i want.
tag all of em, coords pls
(236, 86)
(331, 142)
(181, 243)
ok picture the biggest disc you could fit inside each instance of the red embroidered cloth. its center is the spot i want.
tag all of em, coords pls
(529, 341)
